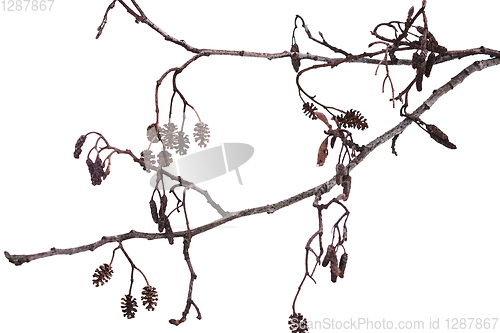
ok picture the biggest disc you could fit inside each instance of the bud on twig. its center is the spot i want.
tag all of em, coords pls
(439, 136)
(295, 57)
(410, 13)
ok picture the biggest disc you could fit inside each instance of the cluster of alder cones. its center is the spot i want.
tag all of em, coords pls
(129, 303)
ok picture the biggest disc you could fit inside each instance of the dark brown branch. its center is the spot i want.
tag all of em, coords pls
(459, 54)
(104, 20)
(189, 301)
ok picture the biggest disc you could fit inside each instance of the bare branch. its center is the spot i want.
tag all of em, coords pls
(407, 36)
(21, 259)
(324, 188)
(426, 105)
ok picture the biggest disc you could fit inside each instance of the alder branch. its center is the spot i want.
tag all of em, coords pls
(142, 18)
(229, 216)
(426, 105)
(325, 187)
(421, 61)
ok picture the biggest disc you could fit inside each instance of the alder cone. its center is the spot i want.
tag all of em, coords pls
(297, 323)
(164, 158)
(149, 159)
(353, 119)
(309, 110)
(168, 134)
(102, 275)
(181, 143)
(151, 133)
(129, 306)
(149, 297)
(201, 134)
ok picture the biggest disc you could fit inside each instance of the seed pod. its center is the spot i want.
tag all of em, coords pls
(439, 136)
(169, 232)
(330, 252)
(434, 130)
(163, 205)
(419, 78)
(334, 268)
(340, 173)
(346, 185)
(415, 60)
(162, 222)
(342, 264)
(78, 146)
(154, 210)
(431, 59)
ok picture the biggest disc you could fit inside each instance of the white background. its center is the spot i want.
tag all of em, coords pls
(423, 231)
